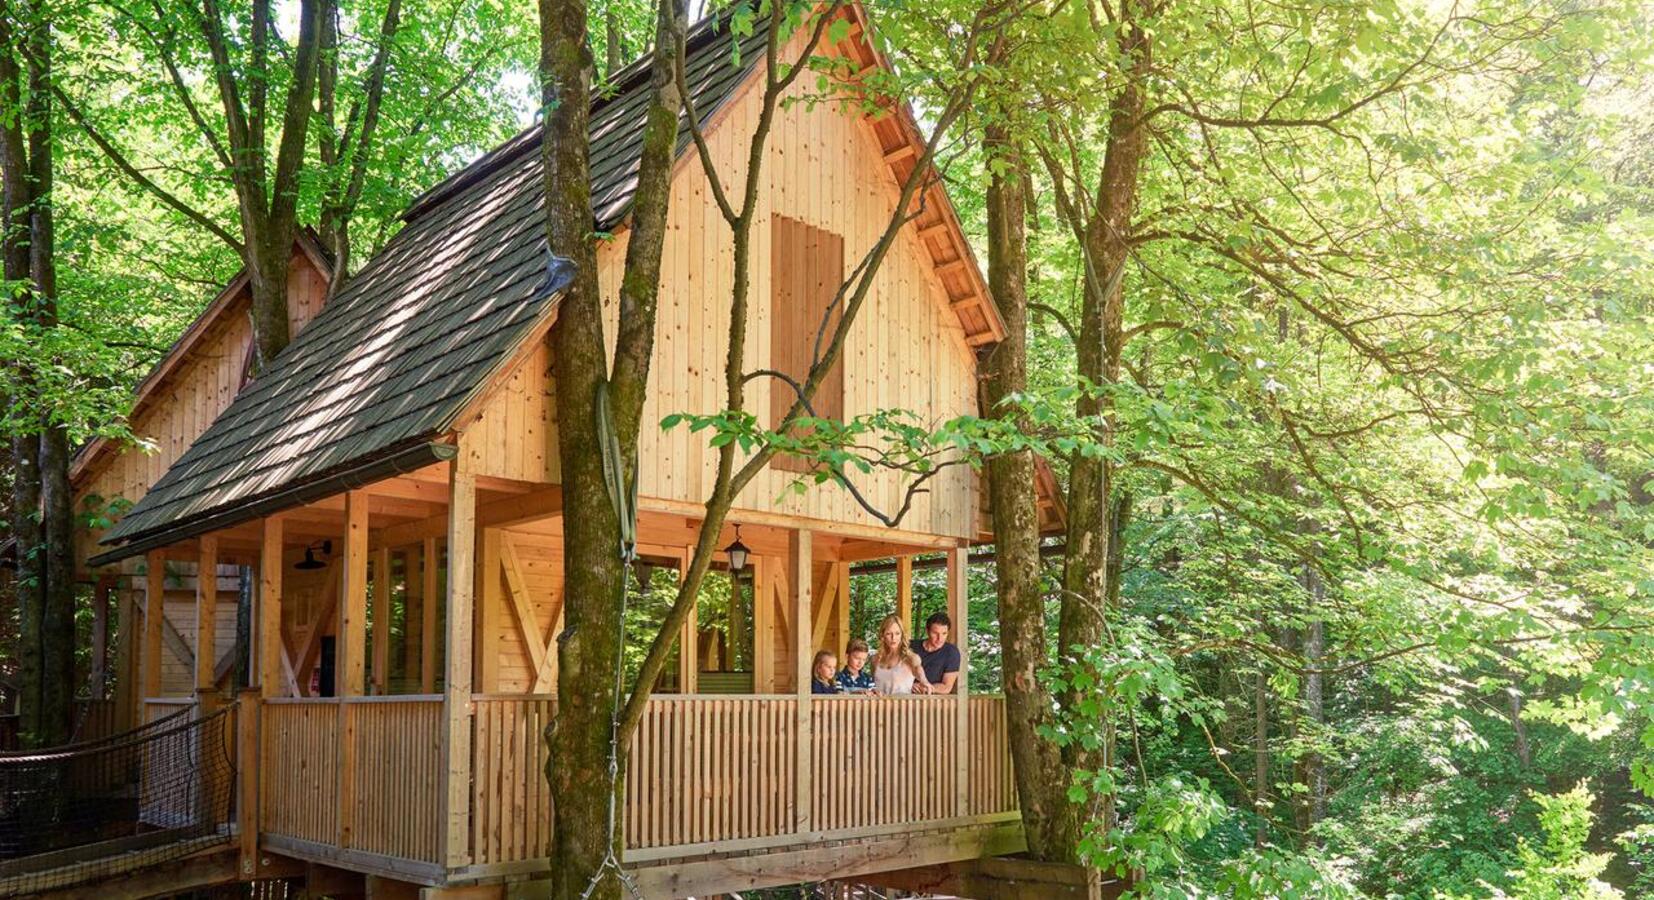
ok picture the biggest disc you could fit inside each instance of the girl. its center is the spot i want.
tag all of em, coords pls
(822, 670)
(896, 670)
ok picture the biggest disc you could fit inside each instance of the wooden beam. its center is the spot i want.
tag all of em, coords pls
(154, 612)
(764, 600)
(959, 609)
(519, 509)
(800, 568)
(353, 603)
(822, 861)
(427, 610)
(489, 600)
(268, 630)
(326, 612)
(689, 644)
(456, 696)
(413, 618)
(382, 620)
(206, 615)
(522, 606)
(1003, 879)
(904, 592)
(900, 152)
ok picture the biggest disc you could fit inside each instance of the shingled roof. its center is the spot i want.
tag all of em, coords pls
(389, 364)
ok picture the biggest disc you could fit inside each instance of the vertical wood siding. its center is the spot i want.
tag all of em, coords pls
(825, 170)
(299, 770)
(510, 800)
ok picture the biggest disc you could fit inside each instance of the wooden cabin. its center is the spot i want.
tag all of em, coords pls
(388, 493)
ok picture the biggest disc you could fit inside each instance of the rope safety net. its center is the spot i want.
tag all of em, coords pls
(80, 812)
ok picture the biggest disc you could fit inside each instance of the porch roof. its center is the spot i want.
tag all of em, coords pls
(417, 335)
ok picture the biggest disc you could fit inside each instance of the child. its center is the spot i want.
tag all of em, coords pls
(855, 677)
(825, 663)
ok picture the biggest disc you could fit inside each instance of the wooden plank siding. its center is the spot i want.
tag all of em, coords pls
(907, 349)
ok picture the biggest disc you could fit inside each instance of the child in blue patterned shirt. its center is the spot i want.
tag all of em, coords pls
(855, 677)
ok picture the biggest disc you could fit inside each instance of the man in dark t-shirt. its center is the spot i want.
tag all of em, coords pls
(939, 658)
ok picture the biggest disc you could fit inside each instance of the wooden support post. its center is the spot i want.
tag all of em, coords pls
(267, 632)
(841, 631)
(126, 675)
(348, 665)
(490, 601)
(248, 800)
(154, 611)
(456, 695)
(100, 636)
(413, 593)
(959, 612)
(800, 568)
(206, 620)
(904, 592)
(689, 640)
(382, 621)
(427, 611)
(763, 627)
(349, 668)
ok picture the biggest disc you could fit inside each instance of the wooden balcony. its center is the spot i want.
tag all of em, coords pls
(714, 783)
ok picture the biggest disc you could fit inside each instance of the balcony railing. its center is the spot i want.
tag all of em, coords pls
(365, 776)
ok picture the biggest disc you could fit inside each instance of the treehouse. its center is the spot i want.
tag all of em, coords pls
(383, 502)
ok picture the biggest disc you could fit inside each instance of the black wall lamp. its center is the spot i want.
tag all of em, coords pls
(310, 563)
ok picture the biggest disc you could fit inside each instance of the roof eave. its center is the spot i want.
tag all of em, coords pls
(395, 461)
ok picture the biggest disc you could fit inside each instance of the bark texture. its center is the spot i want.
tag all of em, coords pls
(588, 647)
(1051, 822)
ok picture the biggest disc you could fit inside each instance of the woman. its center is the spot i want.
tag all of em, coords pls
(896, 668)
(855, 677)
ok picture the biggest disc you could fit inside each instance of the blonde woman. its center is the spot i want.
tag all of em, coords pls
(896, 668)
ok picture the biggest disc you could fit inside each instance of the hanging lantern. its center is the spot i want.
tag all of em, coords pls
(737, 553)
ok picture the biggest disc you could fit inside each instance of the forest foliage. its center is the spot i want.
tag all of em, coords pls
(1385, 420)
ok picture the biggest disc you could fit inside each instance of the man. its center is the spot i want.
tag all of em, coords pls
(939, 658)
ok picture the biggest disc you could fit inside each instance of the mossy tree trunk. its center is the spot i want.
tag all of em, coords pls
(594, 576)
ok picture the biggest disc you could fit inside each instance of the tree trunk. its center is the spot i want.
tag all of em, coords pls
(1312, 766)
(44, 526)
(594, 575)
(1105, 249)
(1260, 756)
(1050, 820)
(587, 649)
